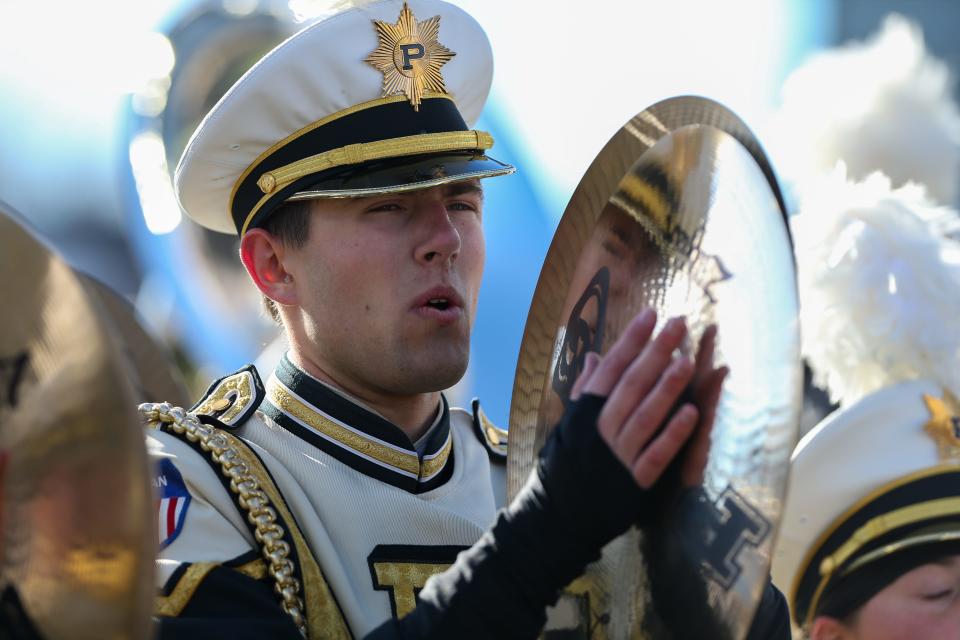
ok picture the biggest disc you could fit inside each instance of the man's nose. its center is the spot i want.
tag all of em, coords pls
(440, 236)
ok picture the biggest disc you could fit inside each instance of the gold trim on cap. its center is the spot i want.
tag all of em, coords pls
(277, 179)
(370, 104)
(873, 529)
(447, 141)
(846, 515)
(885, 523)
(334, 194)
(913, 541)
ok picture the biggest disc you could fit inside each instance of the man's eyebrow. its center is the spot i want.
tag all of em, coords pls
(461, 188)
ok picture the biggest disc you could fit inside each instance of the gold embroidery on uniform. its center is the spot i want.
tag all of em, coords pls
(303, 412)
(239, 385)
(324, 619)
(173, 604)
(404, 580)
(431, 466)
(182, 593)
(256, 569)
(262, 501)
(496, 436)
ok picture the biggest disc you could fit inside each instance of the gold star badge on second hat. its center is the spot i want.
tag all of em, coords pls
(410, 56)
(944, 425)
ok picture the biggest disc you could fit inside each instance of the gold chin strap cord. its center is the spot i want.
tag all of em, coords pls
(275, 180)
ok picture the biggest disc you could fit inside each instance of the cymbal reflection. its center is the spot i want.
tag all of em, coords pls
(679, 212)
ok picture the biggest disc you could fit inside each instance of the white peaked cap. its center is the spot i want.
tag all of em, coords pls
(870, 480)
(317, 95)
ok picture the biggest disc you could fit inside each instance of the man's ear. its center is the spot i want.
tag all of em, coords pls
(263, 255)
(827, 628)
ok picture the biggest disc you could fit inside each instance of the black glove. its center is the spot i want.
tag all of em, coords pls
(579, 498)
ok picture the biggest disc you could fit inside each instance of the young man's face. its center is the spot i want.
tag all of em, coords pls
(922, 604)
(388, 287)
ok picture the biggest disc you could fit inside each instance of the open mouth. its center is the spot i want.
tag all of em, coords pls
(438, 303)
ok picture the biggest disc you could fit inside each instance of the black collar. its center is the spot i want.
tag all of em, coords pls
(355, 435)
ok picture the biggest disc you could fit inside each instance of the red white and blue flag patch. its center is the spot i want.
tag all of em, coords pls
(172, 501)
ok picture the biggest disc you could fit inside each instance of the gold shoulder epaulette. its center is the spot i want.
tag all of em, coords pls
(233, 398)
(493, 437)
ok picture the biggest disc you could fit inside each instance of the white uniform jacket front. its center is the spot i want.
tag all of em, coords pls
(379, 514)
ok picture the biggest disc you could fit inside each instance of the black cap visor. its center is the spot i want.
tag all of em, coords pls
(396, 175)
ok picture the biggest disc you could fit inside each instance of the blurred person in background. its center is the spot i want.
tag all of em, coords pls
(870, 542)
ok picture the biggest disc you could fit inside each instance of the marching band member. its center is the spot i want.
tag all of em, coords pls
(870, 541)
(323, 501)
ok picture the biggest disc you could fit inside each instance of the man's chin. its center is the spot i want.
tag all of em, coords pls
(442, 369)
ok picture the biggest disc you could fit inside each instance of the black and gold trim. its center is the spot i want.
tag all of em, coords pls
(182, 585)
(233, 398)
(898, 516)
(324, 617)
(493, 438)
(403, 570)
(236, 598)
(364, 149)
(356, 436)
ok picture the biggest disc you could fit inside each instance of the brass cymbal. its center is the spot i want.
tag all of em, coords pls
(153, 377)
(77, 532)
(680, 212)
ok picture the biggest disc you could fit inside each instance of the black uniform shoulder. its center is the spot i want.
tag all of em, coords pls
(234, 600)
(493, 438)
(232, 399)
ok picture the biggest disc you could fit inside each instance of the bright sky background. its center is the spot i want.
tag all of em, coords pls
(568, 75)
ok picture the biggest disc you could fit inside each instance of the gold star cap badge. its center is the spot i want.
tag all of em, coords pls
(944, 425)
(410, 56)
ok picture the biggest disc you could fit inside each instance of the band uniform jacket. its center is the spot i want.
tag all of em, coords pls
(378, 516)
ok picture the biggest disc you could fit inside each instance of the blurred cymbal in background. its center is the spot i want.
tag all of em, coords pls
(77, 532)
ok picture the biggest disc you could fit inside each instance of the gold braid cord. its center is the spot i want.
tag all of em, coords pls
(268, 533)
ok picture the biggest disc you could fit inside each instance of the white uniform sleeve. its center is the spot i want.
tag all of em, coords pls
(198, 520)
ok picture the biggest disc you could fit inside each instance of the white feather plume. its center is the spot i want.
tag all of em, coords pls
(880, 105)
(879, 286)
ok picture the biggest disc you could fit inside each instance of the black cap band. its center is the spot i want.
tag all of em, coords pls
(824, 569)
(383, 121)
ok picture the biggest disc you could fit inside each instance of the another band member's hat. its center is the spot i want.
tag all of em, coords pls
(874, 488)
(874, 491)
(378, 98)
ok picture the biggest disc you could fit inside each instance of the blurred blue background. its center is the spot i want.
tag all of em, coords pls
(98, 98)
